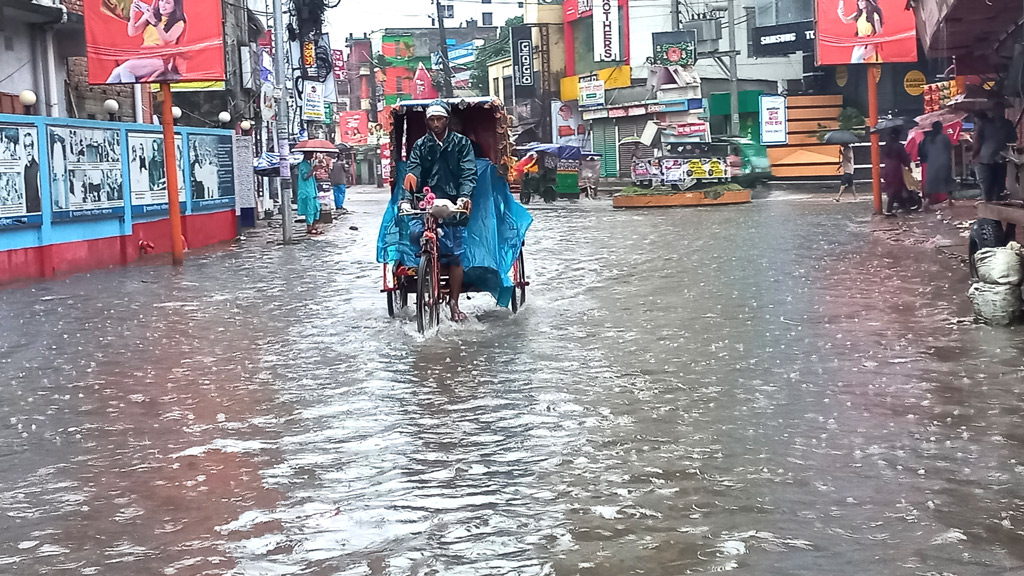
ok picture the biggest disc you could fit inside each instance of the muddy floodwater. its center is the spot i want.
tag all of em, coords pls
(768, 389)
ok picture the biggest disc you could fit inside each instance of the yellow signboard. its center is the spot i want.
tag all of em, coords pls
(914, 83)
(618, 77)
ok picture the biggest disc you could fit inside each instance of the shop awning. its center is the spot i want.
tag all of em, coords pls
(979, 33)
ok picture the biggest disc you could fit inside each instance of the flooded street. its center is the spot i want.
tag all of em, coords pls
(768, 389)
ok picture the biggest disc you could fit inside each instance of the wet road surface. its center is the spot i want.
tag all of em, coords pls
(766, 389)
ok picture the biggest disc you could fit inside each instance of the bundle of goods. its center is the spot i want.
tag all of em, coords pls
(996, 294)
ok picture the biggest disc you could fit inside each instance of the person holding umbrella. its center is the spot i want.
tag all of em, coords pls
(845, 139)
(309, 203)
(846, 166)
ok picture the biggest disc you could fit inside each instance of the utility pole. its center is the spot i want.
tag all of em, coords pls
(675, 14)
(446, 87)
(282, 124)
(734, 95)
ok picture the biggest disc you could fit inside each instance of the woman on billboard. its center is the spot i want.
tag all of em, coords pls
(161, 24)
(869, 23)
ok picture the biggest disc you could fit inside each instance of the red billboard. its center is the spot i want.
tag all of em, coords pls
(865, 31)
(353, 127)
(135, 41)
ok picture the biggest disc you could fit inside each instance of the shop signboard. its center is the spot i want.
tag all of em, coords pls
(845, 33)
(677, 48)
(86, 178)
(147, 177)
(132, 41)
(595, 114)
(783, 39)
(211, 165)
(606, 31)
(617, 113)
(385, 162)
(636, 111)
(523, 74)
(591, 93)
(690, 129)
(773, 119)
(20, 200)
(338, 58)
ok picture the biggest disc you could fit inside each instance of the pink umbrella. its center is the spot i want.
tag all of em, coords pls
(423, 86)
(316, 145)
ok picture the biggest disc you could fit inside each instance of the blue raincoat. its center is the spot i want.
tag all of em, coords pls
(494, 233)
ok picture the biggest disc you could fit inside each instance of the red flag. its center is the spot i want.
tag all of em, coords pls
(423, 86)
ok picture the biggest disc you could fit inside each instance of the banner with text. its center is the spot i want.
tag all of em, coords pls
(86, 179)
(147, 178)
(211, 164)
(20, 203)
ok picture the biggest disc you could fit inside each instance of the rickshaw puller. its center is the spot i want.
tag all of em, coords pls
(443, 160)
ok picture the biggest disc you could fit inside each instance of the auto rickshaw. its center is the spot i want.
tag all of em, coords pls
(551, 171)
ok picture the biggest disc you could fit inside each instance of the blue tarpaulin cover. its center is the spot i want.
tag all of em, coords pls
(494, 234)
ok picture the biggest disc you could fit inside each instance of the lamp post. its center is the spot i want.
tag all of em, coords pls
(110, 106)
(28, 100)
(245, 126)
(224, 117)
(175, 112)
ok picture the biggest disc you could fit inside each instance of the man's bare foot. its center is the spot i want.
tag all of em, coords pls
(458, 315)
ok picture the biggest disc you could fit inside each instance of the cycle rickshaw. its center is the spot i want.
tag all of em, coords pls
(493, 260)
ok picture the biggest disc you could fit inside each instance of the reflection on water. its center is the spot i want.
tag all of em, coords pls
(765, 388)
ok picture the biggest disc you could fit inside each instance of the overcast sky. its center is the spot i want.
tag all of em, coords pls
(364, 16)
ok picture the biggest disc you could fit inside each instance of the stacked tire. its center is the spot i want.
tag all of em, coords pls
(997, 269)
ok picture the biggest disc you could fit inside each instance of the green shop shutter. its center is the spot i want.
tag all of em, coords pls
(605, 145)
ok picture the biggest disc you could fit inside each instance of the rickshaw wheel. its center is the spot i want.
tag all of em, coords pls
(519, 283)
(397, 301)
(428, 301)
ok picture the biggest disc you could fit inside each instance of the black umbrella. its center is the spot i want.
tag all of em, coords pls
(890, 123)
(841, 137)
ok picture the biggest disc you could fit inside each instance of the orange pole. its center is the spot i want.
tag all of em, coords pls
(170, 168)
(874, 72)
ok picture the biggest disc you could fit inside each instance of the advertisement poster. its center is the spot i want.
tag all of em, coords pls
(606, 31)
(773, 120)
(20, 203)
(313, 102)
(353, 127)
(131, 41)
(147, 178)
(212, 170)
(865, 31)
(678, 169)
(86, 181)
(567, 127)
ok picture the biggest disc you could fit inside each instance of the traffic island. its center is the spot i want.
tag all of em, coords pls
(635, 197)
